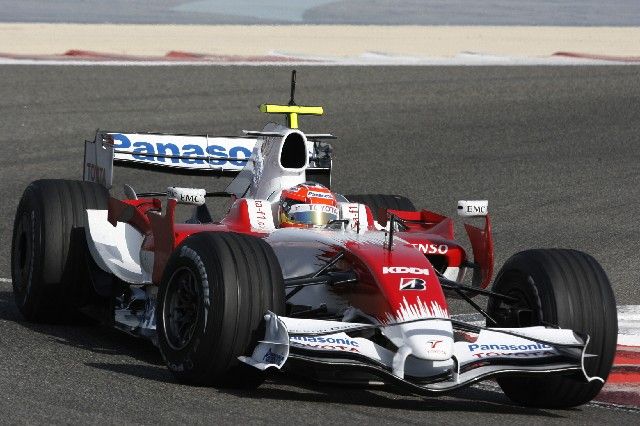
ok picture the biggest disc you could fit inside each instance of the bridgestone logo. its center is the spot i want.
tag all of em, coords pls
(404, 270)
(413, 284)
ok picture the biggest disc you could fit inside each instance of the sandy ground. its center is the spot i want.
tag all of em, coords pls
(324, 40)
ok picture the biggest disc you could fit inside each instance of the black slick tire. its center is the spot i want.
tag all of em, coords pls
(48, 249)
(214, 294)
(561, 287)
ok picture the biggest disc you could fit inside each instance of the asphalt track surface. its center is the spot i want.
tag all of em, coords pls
(555, 150)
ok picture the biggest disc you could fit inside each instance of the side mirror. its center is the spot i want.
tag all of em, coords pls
(129, 192)
(193, 196)
(473, 208)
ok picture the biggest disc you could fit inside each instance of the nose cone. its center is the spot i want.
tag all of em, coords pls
(430, 340)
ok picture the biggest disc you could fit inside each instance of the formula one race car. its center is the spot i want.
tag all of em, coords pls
(339, 288)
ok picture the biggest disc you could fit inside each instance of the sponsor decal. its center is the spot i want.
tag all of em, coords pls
(326, 209)
(272, 358)
(404, 270)
(354, 214)
(187, 195)
(434, 347)
(322, 208)
(145, 151)
(520, 351)
(432, 344)
(260, 217)
(314, 194)
(321, 339)
(473, 209)
(432, 248)
(533, 346)
(413, 284)
(321, 347)
(533, 354)
(96, 173)
(189, 198)
(325, 343)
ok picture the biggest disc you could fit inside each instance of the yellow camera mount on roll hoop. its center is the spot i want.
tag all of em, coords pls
(291, 110)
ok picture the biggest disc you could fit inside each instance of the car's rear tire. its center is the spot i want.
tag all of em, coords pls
(48, 247)
(377, 201)
(215, 291)
(567, 288)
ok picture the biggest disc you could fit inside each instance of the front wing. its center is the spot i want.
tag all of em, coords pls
(482, 353)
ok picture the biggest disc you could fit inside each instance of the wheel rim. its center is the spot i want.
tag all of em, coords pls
(23, 253)
(180, 311)
(526, 311)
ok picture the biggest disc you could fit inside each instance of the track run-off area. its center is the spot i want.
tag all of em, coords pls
(553, 149)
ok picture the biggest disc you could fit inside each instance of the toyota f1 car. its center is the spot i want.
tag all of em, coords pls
(354, 292)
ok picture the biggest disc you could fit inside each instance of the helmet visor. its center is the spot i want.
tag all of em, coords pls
(312, 214)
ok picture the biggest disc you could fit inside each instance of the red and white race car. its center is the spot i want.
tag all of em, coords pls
(340, 288)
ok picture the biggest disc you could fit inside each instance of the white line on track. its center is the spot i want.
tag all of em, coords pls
(629, 325)
(5, 280)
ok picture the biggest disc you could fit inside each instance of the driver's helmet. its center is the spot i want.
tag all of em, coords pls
(307, 205)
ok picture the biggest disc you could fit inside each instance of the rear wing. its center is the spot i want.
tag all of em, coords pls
(185, 154)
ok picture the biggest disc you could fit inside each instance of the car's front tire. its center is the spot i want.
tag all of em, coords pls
(560, 287)
(215, 291)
